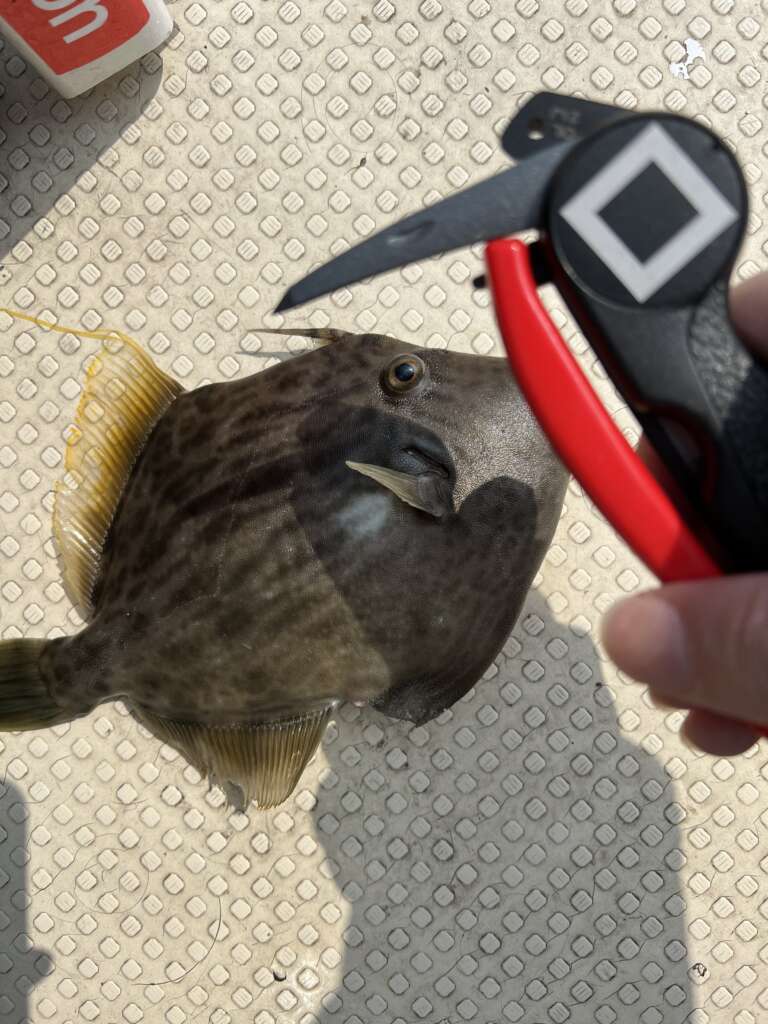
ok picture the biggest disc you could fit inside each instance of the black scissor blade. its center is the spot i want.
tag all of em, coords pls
(505, 204)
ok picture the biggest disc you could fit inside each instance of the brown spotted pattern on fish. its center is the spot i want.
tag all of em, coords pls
(251, 576)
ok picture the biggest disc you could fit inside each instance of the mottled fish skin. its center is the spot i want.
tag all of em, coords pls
(249, 574)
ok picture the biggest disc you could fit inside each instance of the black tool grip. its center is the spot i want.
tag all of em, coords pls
(735, 384)
(702, 400)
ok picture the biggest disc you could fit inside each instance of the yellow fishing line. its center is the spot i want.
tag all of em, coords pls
(79, 332)
(72, 458)
(92, 370)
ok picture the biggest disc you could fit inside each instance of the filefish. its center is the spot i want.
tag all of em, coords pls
(359, 523)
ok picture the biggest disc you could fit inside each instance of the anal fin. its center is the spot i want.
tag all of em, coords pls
(260, 762)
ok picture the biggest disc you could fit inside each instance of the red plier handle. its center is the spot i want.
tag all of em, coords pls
(581, 430)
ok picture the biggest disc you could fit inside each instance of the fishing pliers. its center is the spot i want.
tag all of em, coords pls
(639, 219)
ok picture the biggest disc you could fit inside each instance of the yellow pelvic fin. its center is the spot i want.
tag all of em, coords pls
(125, 394)
(264, 760)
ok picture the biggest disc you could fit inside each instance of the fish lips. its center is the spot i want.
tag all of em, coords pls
(424, 457)
(411, 449)
(339, 433)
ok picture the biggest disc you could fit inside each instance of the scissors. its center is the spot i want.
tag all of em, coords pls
(639, 219)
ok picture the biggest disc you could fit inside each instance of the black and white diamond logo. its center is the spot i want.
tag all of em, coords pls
(701, 214)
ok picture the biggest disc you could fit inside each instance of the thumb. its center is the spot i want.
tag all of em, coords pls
(701, 645)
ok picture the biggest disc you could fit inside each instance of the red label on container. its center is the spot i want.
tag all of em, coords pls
(69, 34)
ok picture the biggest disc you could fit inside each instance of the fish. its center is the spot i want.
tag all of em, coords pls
(359, 523)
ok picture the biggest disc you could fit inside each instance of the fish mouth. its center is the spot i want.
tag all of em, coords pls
(435, 460)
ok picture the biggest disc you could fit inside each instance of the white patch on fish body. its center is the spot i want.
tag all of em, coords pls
(693, 49)
(366, 515)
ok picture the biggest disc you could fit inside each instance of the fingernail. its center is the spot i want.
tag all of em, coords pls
(645, 637)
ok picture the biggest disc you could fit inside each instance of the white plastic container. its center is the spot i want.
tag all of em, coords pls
(75, 44)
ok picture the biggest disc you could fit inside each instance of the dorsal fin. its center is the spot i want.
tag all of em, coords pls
(125, 394)
(262, 760)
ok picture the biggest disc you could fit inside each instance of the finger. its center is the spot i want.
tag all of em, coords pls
(702, 644)
(749, 312)
(665, 703)
(717, 735)
(714, 734)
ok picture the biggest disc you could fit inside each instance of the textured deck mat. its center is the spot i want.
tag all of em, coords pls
(546, 852)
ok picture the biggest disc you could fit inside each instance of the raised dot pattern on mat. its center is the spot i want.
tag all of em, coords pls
(547, 852)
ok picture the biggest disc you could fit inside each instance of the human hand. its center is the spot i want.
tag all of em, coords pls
(704, 645)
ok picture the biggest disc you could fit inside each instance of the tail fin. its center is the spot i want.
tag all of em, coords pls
(24, 699)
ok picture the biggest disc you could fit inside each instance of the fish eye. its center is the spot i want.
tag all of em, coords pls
(404, 374)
